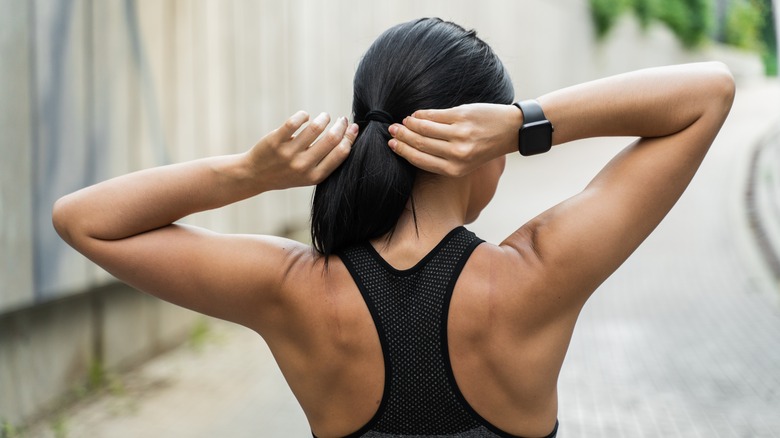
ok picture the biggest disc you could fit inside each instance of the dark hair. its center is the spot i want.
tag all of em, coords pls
(422, 64)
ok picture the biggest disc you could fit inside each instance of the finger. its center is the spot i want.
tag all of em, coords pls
(428, 162)
(430, 129)
(306, 137)
(446, 116)
(289, 127)
(432, 146)
(327, 141)
(338, 154)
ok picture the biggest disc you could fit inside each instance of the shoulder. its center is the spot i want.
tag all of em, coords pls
(503, 266)
(309, 293)
(512, 283)
(270, 271)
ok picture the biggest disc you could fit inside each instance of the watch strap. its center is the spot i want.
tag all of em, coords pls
(532, 111)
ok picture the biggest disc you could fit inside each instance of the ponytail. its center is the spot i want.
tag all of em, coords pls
(365, 196)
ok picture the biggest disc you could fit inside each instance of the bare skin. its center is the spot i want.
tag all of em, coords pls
(515, 305)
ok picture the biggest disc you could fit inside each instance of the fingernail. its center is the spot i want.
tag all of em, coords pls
(299, 117)
(393, 130)
(321, 119)
(392, 143)
(353, 129)
(338, 125)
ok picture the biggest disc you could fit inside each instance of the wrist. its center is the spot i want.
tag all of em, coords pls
(513, 118)
(239, 174)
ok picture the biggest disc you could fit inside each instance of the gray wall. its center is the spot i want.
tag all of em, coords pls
(47, 351)
(95, 88)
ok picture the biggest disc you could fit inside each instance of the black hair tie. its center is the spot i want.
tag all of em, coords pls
(379, 116)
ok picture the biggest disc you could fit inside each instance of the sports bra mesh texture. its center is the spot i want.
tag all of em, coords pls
(410, 308)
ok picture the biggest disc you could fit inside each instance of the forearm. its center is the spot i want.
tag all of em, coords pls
(646, 103)
(153, 198)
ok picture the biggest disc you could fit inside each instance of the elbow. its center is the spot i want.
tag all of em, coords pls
(721, 88)
(62, 220)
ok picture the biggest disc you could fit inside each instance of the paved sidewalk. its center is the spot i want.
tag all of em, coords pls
(682, 341)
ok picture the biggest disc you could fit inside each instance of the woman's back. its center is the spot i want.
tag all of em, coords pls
(507, 373)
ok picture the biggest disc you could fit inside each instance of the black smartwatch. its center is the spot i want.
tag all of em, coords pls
(536, 132)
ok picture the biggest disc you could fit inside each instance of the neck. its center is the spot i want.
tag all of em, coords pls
(440, 205)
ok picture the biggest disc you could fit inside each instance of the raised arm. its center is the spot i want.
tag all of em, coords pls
(676, 111)
(649, 103)
(126, 224)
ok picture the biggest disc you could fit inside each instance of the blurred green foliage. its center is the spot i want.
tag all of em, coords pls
(750, 26)
(646, 11)
(8, 430)
(59, 427)
(769, 36)
(605, 13)
(743, 25)
(690, 20)
(747, 24)
(200, 334)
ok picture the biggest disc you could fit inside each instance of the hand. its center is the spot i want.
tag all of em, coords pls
(455, 141)
(283, 159)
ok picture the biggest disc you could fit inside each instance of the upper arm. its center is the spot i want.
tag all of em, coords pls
(233, 277)
(583, 240)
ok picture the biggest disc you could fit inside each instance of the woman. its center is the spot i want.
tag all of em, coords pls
(403, 322)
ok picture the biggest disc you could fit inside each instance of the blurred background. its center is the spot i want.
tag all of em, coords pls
(90, 89)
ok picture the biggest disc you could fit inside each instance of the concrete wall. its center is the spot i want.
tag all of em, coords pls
(47, 351)
(16, 259)
(95, 88)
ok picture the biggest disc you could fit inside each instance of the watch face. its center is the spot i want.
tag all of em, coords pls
(536, 138)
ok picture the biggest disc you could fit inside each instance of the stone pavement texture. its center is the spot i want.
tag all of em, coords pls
(682, 341)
